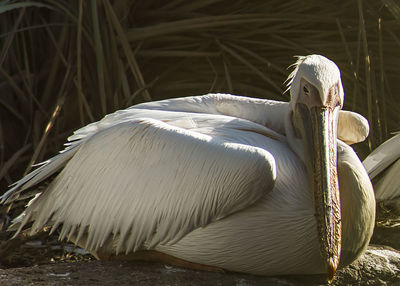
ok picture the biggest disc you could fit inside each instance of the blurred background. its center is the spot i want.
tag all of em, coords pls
(64, 64)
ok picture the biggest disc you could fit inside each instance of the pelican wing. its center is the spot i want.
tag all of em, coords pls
(385, 160)
(383, 156)
(267, 113)
(352, 127)
(152, 183)
(198, 113)
(47, 169)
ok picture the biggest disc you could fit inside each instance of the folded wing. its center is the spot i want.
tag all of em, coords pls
(151, 183)
(383, 156)
(383, 166)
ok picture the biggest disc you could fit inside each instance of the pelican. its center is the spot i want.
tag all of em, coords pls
(216, 181)
(383, 167)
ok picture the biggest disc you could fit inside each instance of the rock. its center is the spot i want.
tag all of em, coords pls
(380, 265)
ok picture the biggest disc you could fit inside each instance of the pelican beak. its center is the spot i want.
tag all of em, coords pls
(317, 126)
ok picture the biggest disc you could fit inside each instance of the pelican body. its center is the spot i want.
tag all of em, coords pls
(238, 183)
(383, 167)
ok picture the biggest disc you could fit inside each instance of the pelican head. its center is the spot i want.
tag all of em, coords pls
(316, 97)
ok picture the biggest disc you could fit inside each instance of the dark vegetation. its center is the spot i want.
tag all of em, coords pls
(64, 64)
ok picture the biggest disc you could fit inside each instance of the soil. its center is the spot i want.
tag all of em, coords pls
(43, 260)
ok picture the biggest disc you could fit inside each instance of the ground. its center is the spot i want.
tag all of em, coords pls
(92, 272)
(43, 260)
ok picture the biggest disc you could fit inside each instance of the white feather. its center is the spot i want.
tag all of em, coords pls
(383, 165)
(383, 156)
(154, 166)
(194, 112)
(352, 127)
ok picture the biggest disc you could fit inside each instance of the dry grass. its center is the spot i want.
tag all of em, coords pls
(67, 63)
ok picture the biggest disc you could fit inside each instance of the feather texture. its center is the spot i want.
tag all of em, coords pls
(383, 156)
(192, 113)
(383, 166)
(164, 182)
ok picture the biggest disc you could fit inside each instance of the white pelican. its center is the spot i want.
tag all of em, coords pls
(220, 181)
(383, 167)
